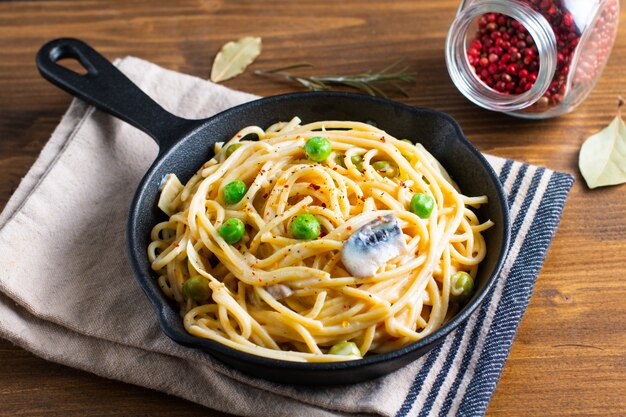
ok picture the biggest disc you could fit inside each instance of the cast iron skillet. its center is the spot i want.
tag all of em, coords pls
(184, 145)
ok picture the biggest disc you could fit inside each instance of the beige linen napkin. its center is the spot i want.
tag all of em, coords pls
(67, 292)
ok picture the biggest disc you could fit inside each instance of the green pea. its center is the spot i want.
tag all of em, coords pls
(317, 149)
(197, 288)
(357, 161)
(462, 287)
(422, 205)
(305, 227)
(386, 169)
(340, 160)
(345, 348)
(233, 148)
(232, 230)
(234, 191)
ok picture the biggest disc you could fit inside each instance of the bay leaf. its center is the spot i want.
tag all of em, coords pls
(234, 58)
(602, 158)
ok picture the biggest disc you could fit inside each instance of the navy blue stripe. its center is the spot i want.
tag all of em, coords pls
(419, 380)
(506, 170)
(516, 296)
(432, 395)
(482, 313)
(417, 383)
(521, 174)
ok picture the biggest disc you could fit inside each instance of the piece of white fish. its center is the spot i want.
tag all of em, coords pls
(279, 291)
(372, 245)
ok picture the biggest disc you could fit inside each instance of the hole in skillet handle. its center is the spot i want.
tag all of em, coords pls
(73, 65)
(72, 59)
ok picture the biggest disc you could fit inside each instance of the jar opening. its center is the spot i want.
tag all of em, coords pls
(501, 55)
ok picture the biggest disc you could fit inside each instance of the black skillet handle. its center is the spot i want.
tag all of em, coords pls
(106, 88)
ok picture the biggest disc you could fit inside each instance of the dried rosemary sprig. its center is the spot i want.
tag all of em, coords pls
(368, 82)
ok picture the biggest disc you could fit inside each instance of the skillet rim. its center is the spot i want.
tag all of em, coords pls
(150, 287)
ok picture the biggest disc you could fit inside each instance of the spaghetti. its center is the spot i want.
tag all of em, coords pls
(277, 293)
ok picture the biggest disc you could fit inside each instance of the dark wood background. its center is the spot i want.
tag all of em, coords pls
(569, 354)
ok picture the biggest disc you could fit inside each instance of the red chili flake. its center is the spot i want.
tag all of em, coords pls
(176, 245)
(334, 168)
(238, 136)
(324, 205)
(382, 139)
(260, 280)
(238, 247)
(263, 171)
(401, 183)
(314, 186)
(265, 195)
(379, 217)
(253, 273)
(349, 228)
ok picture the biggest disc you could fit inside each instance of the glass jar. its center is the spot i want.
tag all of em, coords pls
(530, 58)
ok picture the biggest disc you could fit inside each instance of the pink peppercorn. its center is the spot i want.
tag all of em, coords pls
(505, 48)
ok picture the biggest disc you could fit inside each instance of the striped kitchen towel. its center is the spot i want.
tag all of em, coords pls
(67, 291)
(459, 376)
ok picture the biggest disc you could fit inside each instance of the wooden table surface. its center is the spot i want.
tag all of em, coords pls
(569, 356)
